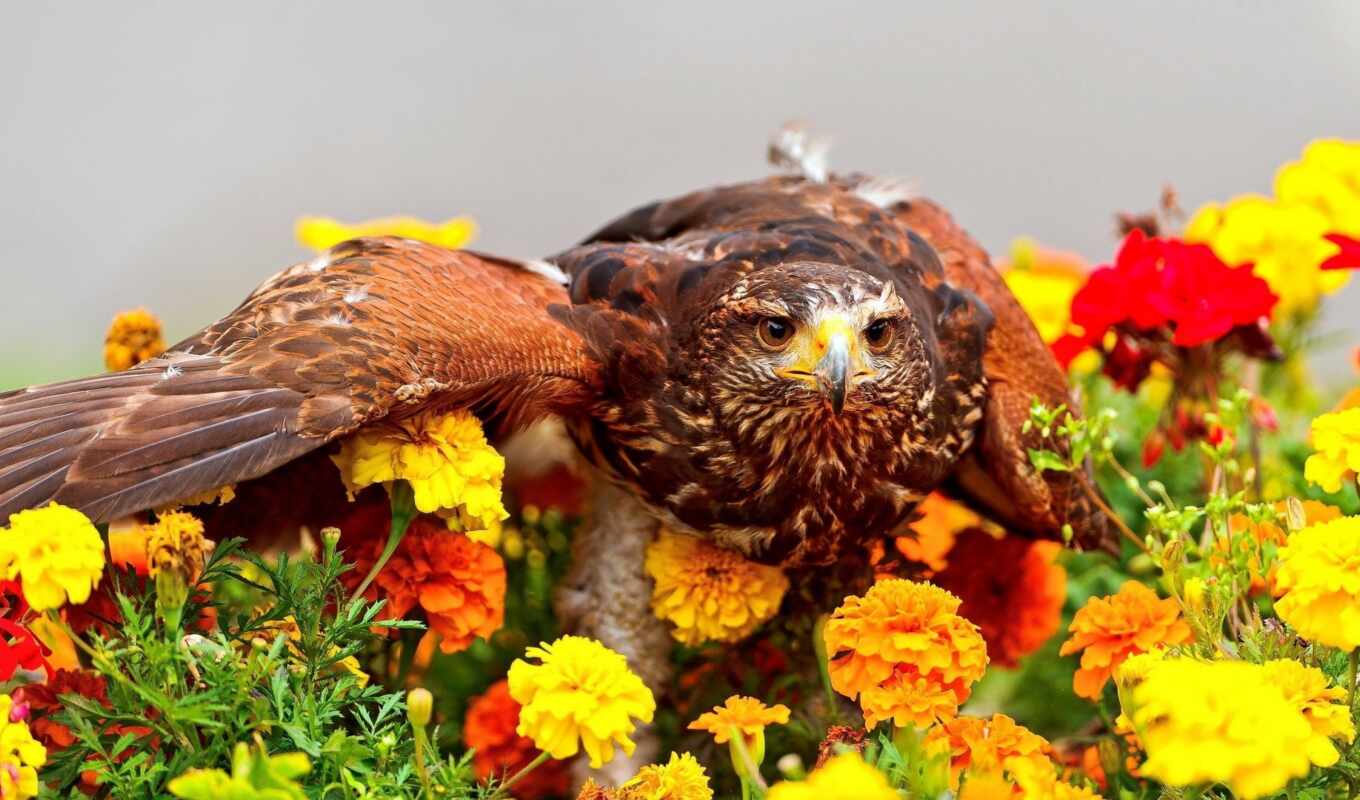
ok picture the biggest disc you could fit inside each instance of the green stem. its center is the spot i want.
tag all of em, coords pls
(745, 763)
(1351, 676)
(421, 770)
(403, 511)
(538, 761)
(824, 667)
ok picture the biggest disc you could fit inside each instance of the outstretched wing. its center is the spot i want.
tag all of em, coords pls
(376, 328)
(1020, 369)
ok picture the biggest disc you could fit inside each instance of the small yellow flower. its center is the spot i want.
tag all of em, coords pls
(134, 337)
(1336, 440)
(323, 233)
(681, 778)
(1318, 580)
(1039, 781)
(1326, 179)
(445, 458)
(746, 716)
(175, 543)
(20, 755)
(219, 497)
(288, 628)
(708, 592)
(1323, 705)
(845, 777)
(905, 652)
(56, 552)
(1219, 722)
(1194, 593)
(581, 694)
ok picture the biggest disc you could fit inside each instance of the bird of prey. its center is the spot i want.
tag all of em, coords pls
(786, 366)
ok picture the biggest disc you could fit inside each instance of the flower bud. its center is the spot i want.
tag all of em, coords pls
(419, 707)
(331, 536)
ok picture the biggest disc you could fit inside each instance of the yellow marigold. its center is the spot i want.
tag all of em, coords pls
(1336, 440)
(56, 553)
(1219, 722)
(1326, 179)
(681, 778)
(1283, 242)
(708, 592)
(905, 652)
(1324, 706)
(323, 233)
(1110, 629)
(1318, 580)
(1038, 780)
(176, 543)
(745, 715)
(445, 458)
(995, 741)
(20, 755)
(134, 337)
(845, 777)
(1044, 281)
(581, 694)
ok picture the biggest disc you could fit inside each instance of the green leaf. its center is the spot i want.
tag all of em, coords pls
(1045, 460)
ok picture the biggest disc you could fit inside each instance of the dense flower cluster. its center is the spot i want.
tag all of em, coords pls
(1318, 581)
(1010, 588)
(1108, 630)
(459, 584)
(133, 337)
(708, 592)
(903, 650)
(581, 695)
(444, 457)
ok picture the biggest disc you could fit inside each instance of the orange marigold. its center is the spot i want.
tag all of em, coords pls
(990, 742)
(930, 536)
(1110, 629)
(1250, 548)
(1010, 588)
(905, 652)
(133, 337)
(489, 729)
(458, 583)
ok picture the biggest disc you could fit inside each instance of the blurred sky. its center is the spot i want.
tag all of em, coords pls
(158, 153)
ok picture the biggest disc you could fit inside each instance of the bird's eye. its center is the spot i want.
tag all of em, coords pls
(775, 332)
(879, 334)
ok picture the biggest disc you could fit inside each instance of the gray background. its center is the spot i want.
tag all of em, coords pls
(158, 153)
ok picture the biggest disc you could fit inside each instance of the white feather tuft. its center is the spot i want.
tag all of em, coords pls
(886, 192)
(547, 269)
(794, 149)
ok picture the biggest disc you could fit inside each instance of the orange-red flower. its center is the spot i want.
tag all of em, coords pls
(903, 650)
(458, 583)
(1110, 629)
(930, 536)
(489, 729)
(991, 743)
(43, 701)
(1011, 589)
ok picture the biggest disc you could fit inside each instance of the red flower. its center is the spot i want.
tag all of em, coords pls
(20, 649)
(1349, 255)
(489, 729)
(44, 699)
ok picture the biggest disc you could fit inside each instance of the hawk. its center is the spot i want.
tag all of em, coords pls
(786, 366)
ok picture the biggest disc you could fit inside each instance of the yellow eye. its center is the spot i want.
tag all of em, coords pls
(775, 332)
(879, 335)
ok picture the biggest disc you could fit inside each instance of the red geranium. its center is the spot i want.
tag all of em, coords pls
(1349, 255)
(20, 649)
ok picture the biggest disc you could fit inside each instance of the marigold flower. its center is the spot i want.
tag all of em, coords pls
(1250, 540)
(1324, 706)
(175, 543)
(133, 337)
(930, 535)
(445, 458)
(580, 695)
(219, 497)
(1110, 629)
(1037, 780)
(680, 778)
(20, 755)
(1318, 580)
(1336, 440)
(1044, 282)
(489, 730)
(1327, 180)
(845, 777)
(44, 700)
(323, 233)
(1219, 722)
(905, 652)
(56, 552)
(1010, 588)
(995, 741)
(708, 592)
(745, 715)
(458, 583)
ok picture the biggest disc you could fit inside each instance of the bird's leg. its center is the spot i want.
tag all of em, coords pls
(605, 596)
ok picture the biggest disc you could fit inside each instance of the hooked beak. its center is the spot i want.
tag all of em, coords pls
(829, 359)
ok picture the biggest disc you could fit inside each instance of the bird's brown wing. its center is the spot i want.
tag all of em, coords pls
(376, 328)
(1020, 369)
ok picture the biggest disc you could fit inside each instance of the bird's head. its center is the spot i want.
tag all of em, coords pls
(813, 336)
